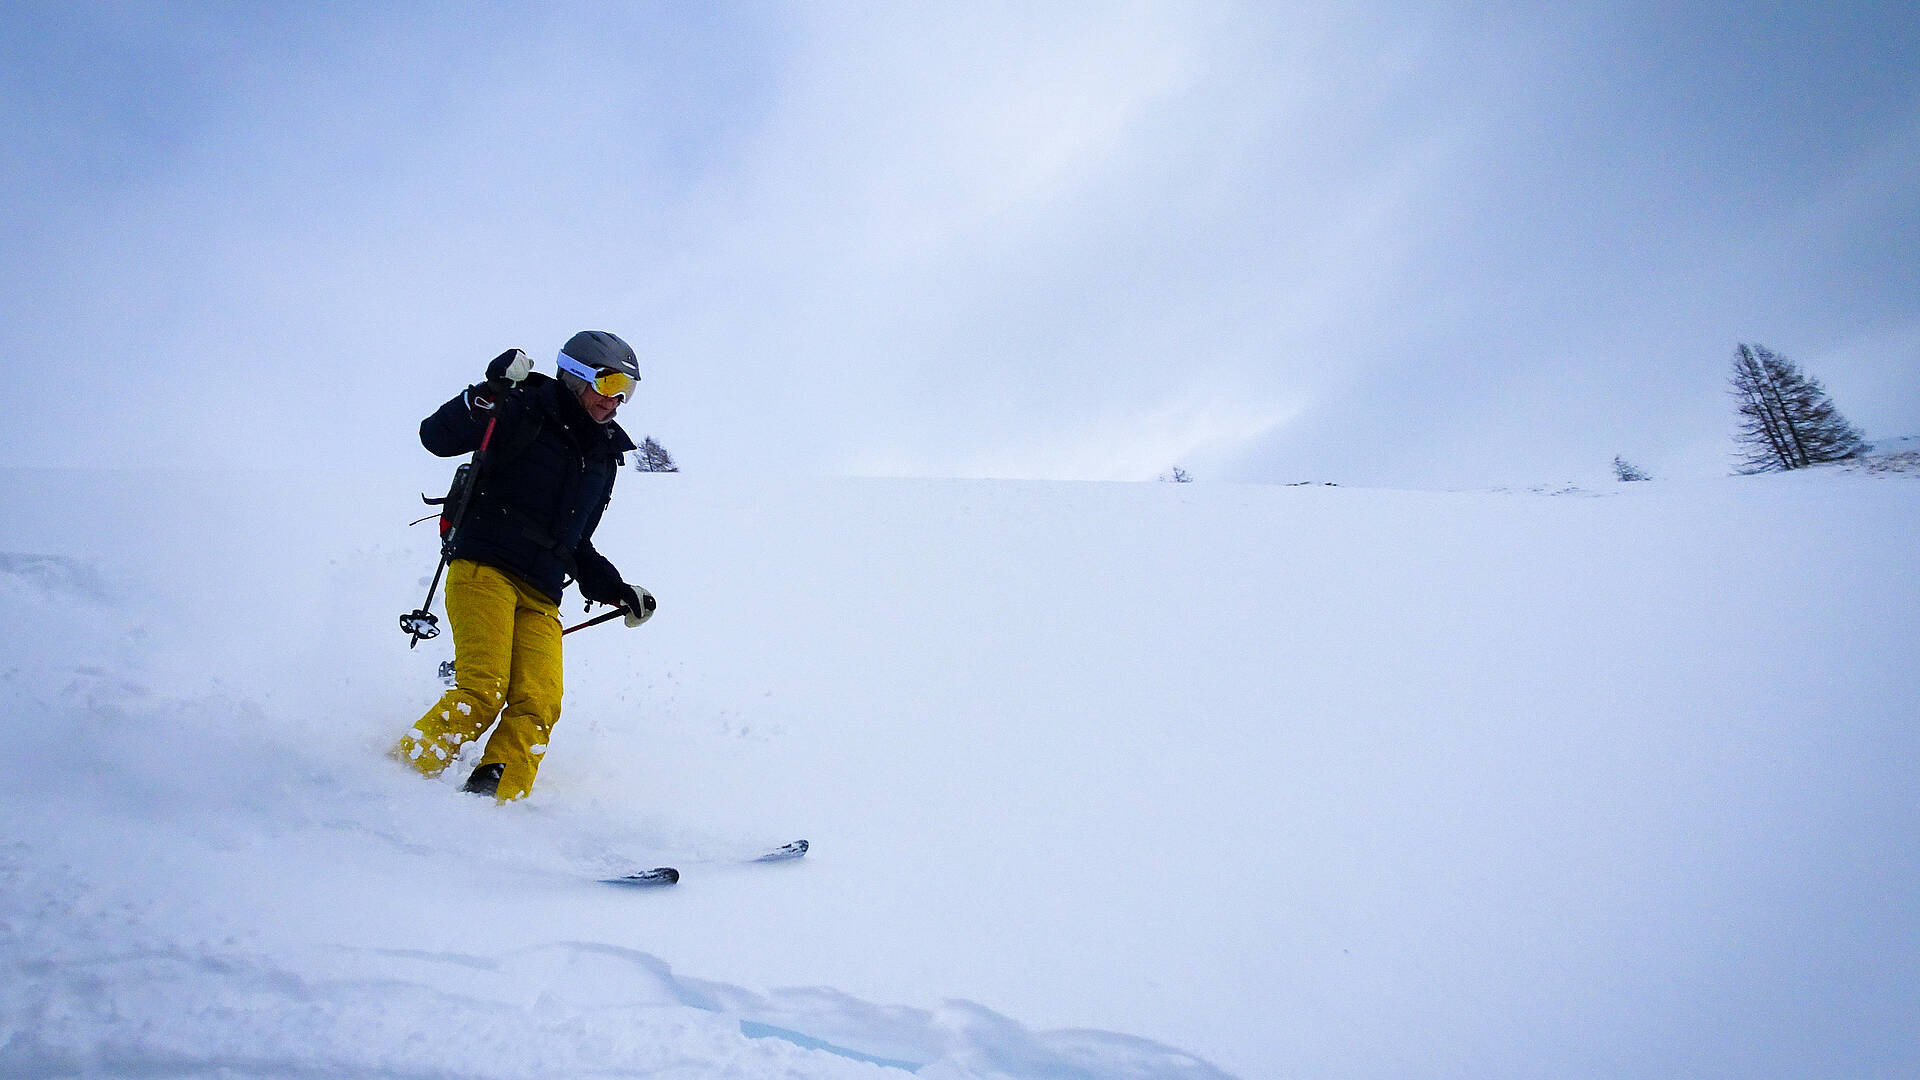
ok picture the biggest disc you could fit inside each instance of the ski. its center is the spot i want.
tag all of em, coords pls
(658, 877)
(783, 852)
(661, 876)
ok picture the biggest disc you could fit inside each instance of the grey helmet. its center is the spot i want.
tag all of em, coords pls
(591, 351)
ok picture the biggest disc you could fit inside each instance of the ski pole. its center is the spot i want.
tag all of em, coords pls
(421, 624)
(596, 620)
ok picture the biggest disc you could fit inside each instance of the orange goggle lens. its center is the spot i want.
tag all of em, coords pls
(613, 384)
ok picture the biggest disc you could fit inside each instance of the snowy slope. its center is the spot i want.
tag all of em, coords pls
(1103, 781)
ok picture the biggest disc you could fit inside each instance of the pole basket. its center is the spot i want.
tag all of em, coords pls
(421, 625)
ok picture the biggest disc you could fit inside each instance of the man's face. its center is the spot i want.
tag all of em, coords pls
(598, 405)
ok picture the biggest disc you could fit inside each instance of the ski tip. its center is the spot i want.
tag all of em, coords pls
(658, 876)
(785, 851)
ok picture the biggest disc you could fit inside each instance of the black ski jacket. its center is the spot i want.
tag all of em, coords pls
(547, 478)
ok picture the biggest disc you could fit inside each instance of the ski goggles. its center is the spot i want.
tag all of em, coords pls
(606, 383)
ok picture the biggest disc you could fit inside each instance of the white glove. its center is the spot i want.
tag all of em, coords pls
(511, 366)
(645, 609)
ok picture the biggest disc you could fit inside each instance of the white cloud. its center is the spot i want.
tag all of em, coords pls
(1028, 240)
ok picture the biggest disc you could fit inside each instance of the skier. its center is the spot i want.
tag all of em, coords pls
(546, 477)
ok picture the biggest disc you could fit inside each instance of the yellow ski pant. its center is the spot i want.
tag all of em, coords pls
(506, 650)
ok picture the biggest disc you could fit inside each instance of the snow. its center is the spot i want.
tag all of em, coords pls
(1102, 780)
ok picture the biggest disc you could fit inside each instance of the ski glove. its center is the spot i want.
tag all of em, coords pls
(639, 603)
(509, 368)
(504, 372)
(600, 584)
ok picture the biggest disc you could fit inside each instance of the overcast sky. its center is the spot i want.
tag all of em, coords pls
(1375, 243)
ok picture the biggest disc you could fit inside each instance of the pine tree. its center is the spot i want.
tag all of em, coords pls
(1626, 471)
(1786, 419)
(654, 458)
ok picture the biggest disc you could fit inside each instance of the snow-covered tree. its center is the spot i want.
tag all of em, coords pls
(652, 457)
(1786, 419)
(1626, 471)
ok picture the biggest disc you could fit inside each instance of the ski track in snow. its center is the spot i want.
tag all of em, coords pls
(95, 991)
(207, 869)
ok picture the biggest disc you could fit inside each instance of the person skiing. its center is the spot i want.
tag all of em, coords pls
(538, 492)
